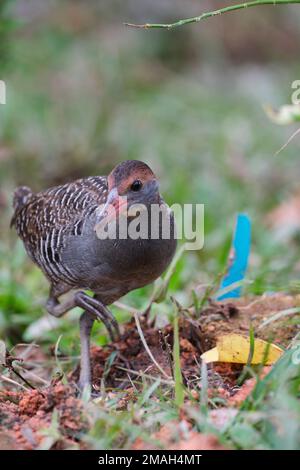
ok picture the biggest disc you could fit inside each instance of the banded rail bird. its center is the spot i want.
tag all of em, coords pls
(58, 227)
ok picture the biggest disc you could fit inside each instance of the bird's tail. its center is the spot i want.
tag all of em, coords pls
(20, 199)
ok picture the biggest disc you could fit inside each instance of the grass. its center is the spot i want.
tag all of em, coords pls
(81, 100)
(179, 391)
(269, 419)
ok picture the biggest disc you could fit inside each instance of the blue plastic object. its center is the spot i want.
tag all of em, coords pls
(238, 257)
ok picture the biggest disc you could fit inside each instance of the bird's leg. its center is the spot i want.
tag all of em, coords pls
(97, 309)
(59, 309)
(94, 309)
(86, 323)
(92, 305)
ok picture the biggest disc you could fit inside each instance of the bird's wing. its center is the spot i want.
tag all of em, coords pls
(48, 217)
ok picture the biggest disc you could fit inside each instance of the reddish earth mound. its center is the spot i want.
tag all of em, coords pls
(26, 416)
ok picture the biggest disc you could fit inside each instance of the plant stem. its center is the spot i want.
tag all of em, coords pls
(142, 337)
(209, 14)
(179, 390)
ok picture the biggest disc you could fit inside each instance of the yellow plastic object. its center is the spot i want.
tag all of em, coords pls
(235, 348)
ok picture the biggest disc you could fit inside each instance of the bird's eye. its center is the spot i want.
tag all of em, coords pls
(136, 185)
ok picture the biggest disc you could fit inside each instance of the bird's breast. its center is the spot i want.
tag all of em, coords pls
(117, 265)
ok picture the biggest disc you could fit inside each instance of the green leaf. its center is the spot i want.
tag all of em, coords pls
(244, 435)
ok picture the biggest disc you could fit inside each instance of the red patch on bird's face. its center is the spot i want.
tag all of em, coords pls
(119, 205)
(114, 207)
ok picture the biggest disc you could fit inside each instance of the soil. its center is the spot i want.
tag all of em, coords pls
(119, 367)
(179, 436)
(24, 416)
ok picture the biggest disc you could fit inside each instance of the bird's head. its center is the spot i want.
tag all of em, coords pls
(131, 182)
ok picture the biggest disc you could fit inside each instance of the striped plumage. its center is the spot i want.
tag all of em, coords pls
(58, 229)
(45, 219)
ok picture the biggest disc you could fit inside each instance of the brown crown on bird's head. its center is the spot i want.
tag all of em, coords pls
(128, 170)
(124, 175)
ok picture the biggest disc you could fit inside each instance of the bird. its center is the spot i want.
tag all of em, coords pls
(60, 230)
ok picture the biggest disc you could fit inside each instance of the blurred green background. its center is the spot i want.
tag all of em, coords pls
(85, 92)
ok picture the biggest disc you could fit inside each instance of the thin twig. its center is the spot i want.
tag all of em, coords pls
(138, 325)
(209, 14)
(126, 308)
(11, 381)
(9, 365)
(33, 375)
(287, 142)
(279, 315)
(132, 383)
(254, 302)
(22, 378)
(147, 376)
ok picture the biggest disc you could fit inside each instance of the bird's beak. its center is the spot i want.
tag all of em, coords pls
(114, 206)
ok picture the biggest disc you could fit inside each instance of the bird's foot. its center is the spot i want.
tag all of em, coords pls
(99, 311)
